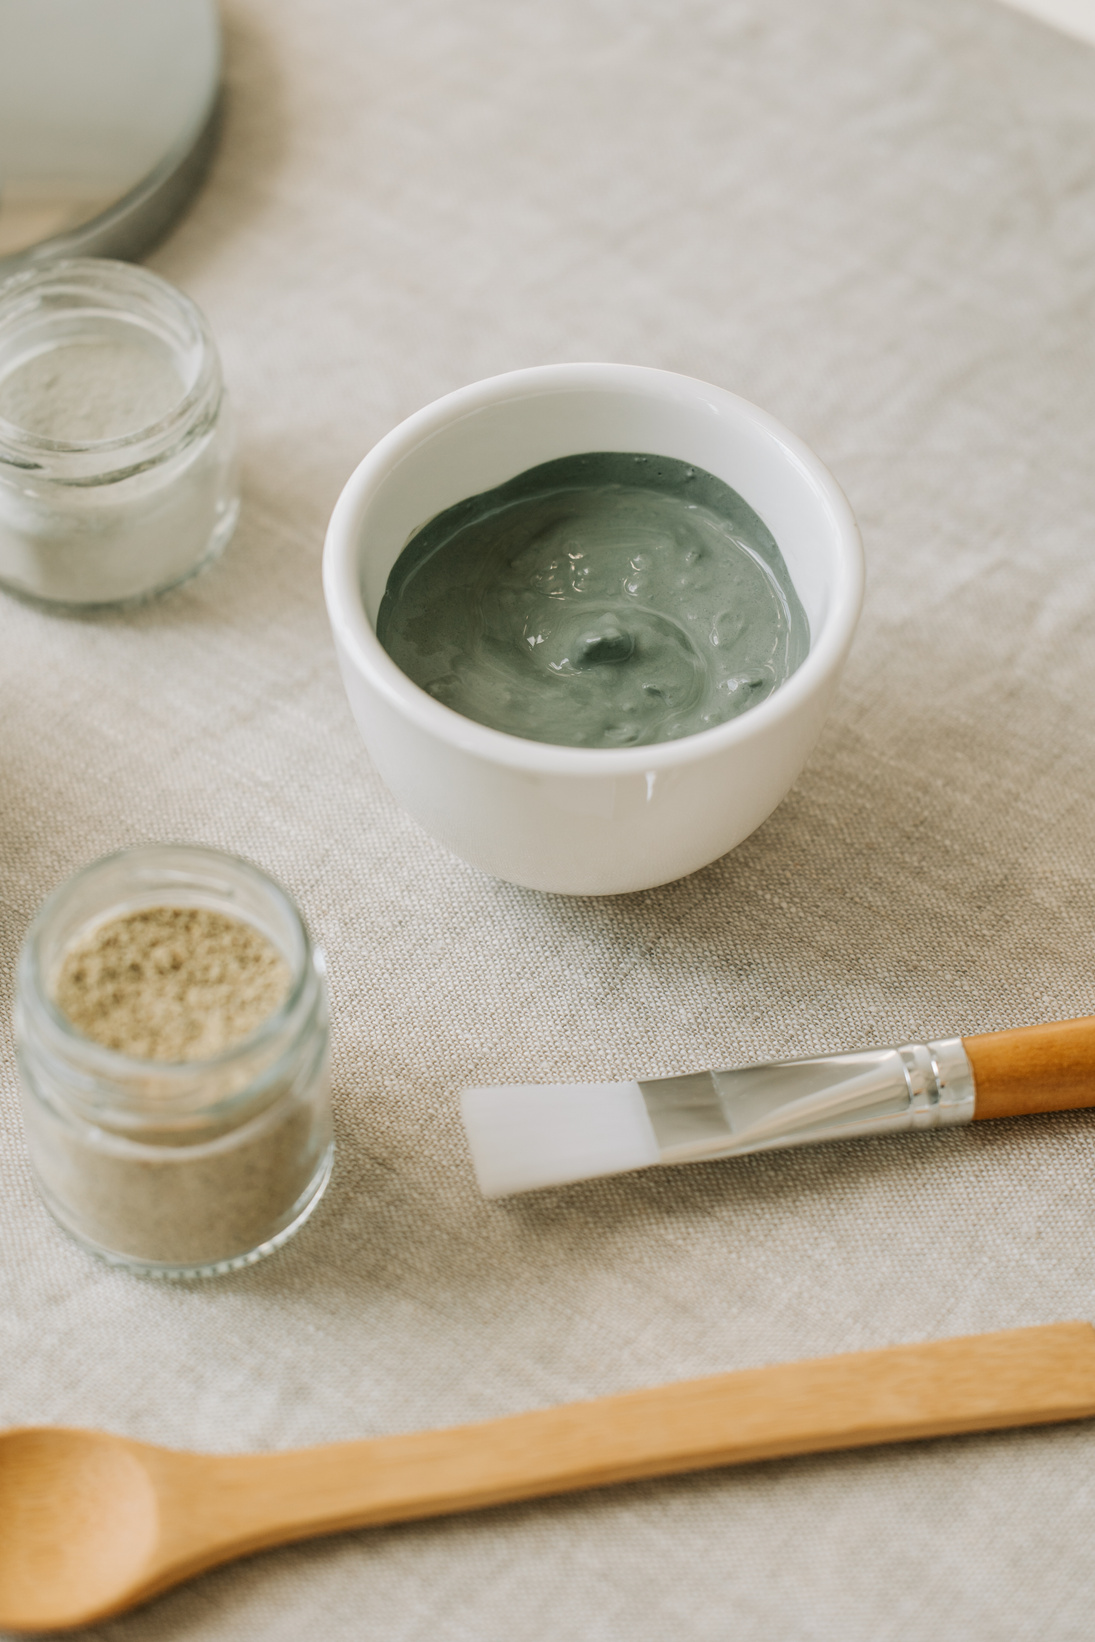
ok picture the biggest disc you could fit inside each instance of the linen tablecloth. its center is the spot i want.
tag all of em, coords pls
(876, 218)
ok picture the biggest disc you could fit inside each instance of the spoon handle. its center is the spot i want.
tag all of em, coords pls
(983, 1382)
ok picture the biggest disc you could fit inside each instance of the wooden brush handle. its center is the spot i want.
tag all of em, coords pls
(1033, 1069)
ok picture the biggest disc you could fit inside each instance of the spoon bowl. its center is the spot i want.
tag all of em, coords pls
(78, 1524)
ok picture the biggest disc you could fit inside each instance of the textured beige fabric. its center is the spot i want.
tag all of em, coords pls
(877, 219)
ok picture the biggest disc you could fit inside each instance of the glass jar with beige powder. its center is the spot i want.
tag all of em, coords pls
(172, 1035)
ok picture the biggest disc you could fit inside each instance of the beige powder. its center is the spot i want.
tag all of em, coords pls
(171, 983)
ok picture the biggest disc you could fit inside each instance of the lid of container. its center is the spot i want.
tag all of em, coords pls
(107, 121)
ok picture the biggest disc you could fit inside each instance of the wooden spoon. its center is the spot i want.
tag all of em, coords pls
(92, 1524)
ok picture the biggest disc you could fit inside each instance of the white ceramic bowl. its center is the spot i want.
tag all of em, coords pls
(580, 820)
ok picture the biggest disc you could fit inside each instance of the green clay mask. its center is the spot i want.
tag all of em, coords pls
(603, 600)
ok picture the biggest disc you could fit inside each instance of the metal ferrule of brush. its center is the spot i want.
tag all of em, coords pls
(799, 1102)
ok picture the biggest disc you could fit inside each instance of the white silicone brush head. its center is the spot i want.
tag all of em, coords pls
(523, 1136)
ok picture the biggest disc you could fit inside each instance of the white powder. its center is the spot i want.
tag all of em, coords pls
(87, 390)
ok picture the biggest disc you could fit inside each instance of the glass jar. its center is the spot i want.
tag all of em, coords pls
(186, 1168)
(117, 466)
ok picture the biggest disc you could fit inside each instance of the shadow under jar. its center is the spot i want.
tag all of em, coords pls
(180, 1168)
(118, 476)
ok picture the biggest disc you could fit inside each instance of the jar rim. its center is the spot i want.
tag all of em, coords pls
(141, 297)
(114, 1064)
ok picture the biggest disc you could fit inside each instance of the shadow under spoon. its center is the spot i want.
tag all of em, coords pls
(93, 1524)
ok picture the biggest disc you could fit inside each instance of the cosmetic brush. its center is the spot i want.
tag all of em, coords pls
(524, 1136)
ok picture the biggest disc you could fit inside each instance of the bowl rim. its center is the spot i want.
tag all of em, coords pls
(356, 639)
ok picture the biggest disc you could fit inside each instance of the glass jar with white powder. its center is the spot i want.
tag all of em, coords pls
(172, 1038)
(117, 469)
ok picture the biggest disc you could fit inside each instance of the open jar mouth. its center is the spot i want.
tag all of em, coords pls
(89, 299)
(110, 1084)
